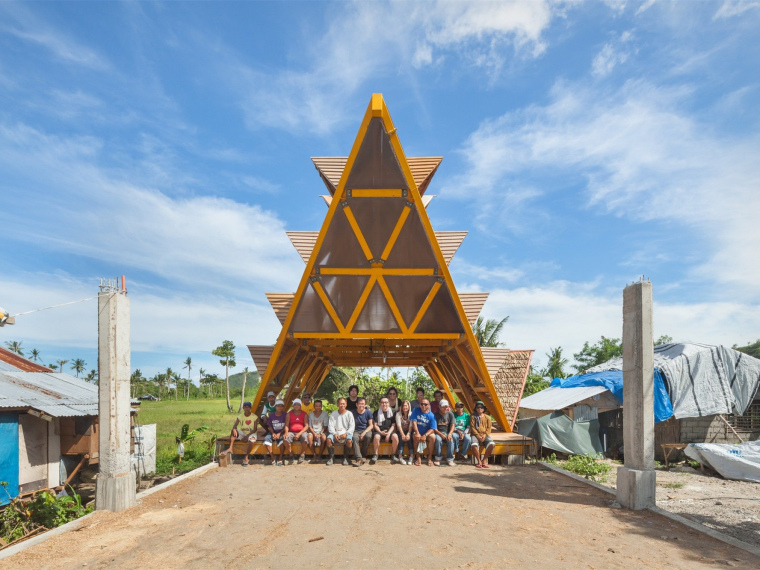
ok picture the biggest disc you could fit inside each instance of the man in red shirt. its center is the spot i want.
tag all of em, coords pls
(296, 429)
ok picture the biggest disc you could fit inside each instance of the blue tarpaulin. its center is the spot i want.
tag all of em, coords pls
(613, 381)
(8, 456)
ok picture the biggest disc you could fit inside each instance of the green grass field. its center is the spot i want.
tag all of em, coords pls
(169, 417)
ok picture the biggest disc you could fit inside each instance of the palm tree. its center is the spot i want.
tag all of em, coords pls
(159, 379)
(78, 366)
(487, 332)
(555, 366)
(242, 391)
(135, 380)
(60, 364)
(227, 354)
(15, 346)
(34, 354)
(201, 374)
(189, 366)
(92, 376)
(170, 377)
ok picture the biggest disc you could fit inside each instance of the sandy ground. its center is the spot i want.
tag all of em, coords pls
(382, 515)
(730, 507)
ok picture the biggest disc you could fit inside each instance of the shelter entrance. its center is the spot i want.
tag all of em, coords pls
(376, 290)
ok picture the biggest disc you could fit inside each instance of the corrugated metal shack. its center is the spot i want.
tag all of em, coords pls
(48, 426)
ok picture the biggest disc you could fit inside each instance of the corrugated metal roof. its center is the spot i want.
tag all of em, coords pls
(56, 394)
(10, 361)
(557, 398)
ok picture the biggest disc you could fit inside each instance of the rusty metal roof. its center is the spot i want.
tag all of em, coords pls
(54, 393)
(10, 361)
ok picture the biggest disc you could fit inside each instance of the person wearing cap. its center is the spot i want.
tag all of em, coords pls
(244, 429)
(317, 424)
(435, 404)
(444, 433)
(296, 430)
(480, 425)
(461, 435)
(384, 429)
(276, 428)
(341, 428)
(267, 409)
(423, 425)
(363, 422)
(306, 404)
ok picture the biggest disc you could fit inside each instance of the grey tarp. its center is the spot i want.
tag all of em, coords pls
(703, 380)
(558, 432)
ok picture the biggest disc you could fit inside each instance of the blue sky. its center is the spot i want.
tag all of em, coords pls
(585, 144)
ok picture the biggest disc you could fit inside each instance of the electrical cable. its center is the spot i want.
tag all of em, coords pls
(55, 306)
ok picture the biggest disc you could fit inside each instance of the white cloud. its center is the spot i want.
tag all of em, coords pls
(612, 54)
(731, 8)
(20, 22)
(568, 314)
(80, 208)
(641, 156)
(364, 39)
(163, 322)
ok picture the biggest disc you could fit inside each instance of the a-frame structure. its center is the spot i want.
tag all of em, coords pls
(377, 290)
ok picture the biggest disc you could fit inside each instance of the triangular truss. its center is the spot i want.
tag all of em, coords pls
(377, 290)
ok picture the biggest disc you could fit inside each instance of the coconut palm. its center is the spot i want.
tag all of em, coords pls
(201, 374)
(135, 380)
(227, 354)
(170, 377)
(189, 366)
(78, 366)
(92, 376)
(555, 366)
(34, 354)
(60, 364)
(487, 331)
(15, 346)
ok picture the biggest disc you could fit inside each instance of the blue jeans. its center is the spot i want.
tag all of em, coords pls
(409, 445)
(464, 444)
(450, 445)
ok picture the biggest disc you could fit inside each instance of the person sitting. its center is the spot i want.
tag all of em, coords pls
(480, 425)
(276, 427)
(244, 429)
(435, 404)
(296, 430)
(461, 435)
(363, 422)
(423, 424)
(404, 432)
(393, 401)
(353, 398)
(341, 428)
(317, 424)
(384, 429)
(420, 396)
(267, 409)
(444, 433)
(306, 404)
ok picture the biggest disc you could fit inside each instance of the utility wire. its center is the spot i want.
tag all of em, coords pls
(55, 306)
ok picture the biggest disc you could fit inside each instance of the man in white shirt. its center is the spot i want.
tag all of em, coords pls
(317, 424)
(341, 428)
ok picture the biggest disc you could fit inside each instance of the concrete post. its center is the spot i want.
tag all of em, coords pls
(636, 480)
(115, 485)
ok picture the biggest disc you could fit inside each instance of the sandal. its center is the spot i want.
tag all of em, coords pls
(417, 462)
(485, 466)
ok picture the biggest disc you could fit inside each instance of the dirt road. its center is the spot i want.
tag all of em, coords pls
(382, 515)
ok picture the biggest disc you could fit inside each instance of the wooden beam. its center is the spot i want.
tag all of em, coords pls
(359, 305)
(396, 230)
(425, 305)
(392, 304)
(358, 232)
(371, 335)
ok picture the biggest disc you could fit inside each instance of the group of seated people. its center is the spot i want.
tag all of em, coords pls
(421, 427)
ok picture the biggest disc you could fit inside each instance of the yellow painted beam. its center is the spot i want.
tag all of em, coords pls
(328, 305)
(376, 193)
(425, 305)
(358, 232)
(396, 230)
(359, 305)
(376, 271)
(392, 304)
(372, 335)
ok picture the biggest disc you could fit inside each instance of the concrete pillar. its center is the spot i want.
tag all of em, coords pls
(636, 480)
(115, 485)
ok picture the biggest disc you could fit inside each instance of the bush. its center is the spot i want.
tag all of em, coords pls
(587, 465)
